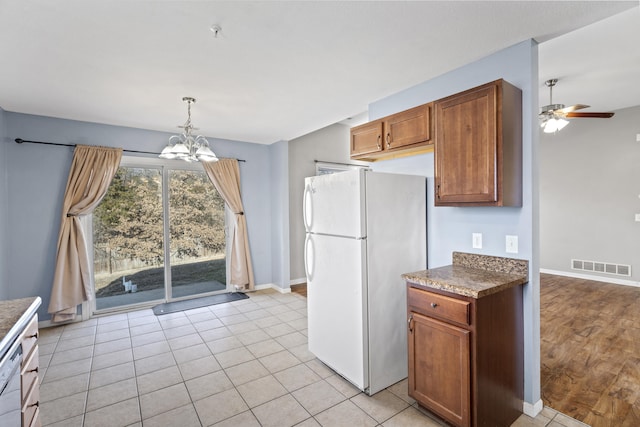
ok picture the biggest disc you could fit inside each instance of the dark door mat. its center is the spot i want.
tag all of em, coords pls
(172, 307)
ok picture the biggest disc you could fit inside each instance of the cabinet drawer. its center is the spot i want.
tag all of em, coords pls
(29, 374)
(35, 421)
(435, 305)
(31, 406)
(29, 337)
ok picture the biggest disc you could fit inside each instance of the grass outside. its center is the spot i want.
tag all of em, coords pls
(153, 278)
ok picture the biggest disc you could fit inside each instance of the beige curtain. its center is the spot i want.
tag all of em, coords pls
(225, 175)
(91, 172)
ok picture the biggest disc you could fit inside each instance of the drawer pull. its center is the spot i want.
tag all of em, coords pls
(36, 404)
(33, 370)
(434, 305)
(32, 336)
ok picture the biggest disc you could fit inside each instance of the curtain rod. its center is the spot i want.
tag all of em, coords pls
(20, 141)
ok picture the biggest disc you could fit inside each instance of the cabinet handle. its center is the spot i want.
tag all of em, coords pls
(379, 145)
(434, 305)
(388, 140)
(438, 191)
(410, 323)
(33, 370)
(33, 404)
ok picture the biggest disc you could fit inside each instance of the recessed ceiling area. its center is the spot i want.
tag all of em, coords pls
(278, 70)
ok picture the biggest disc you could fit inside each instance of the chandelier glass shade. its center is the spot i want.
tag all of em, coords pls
(186, 146)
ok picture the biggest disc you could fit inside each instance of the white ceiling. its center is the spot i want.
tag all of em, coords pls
(597, 65)
(279, 70)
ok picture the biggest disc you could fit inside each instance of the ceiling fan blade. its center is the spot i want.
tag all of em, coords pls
(573, 108)
(590, 115)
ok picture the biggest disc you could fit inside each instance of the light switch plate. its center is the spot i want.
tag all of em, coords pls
(476, 240)
(511, 244)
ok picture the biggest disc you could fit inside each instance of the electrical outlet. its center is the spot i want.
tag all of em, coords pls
(511, 244)
(476, 240)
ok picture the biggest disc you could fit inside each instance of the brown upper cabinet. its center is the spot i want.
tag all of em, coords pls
(407, 132)
(478, 147)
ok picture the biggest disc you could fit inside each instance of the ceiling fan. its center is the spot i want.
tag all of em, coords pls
(553, 116)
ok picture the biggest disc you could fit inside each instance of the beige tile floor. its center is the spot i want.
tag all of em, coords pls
(244, 363)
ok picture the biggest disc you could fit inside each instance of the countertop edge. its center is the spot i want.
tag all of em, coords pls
(15, 331)
(473, 275)
(463, 291)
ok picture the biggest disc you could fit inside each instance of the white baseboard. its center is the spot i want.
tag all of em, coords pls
(274, 287)
(613, 280)
(532, 410)
(49, 324)
(299, 281)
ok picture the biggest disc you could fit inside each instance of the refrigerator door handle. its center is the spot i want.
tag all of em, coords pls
(308, 252)
(306, 216)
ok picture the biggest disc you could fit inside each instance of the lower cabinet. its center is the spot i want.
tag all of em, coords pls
(442, 351)
(466, 355)
(29, 380)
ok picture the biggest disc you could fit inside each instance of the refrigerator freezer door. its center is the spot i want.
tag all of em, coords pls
(335, 303)
(333, 204)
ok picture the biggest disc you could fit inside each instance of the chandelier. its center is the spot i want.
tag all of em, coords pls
(186, 146)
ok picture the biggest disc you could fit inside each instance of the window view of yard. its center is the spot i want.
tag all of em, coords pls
(128, 230)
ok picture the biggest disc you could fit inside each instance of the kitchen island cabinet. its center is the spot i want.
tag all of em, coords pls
(465, 339)
(19, 324)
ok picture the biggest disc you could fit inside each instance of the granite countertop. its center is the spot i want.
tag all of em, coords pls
(14, 316)
(473, 275)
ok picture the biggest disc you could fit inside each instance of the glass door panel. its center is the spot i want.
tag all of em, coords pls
(196, 235)
(128, 256)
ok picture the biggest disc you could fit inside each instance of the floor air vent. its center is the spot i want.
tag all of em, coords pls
(601, 267)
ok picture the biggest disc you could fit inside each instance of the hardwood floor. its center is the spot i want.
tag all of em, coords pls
(300, 289)
(590, 350)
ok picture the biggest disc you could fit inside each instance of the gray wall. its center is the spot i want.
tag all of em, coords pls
(589, 194)
(280, 214)
(4, 197)
(450, 228)
(37, 175)
(330, 144)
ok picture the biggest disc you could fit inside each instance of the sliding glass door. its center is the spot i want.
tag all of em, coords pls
(196, 235)
(158, 235)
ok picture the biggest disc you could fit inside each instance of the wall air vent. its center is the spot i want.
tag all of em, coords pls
(601, 267)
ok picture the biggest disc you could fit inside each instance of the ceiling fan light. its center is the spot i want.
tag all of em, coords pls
(554, 125)
(561, 123)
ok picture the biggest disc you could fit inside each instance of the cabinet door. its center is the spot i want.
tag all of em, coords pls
(408, 127)
(466, 147)
(439, 368)
(366, 138)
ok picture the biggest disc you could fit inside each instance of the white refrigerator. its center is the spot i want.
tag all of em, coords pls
(363, 230)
